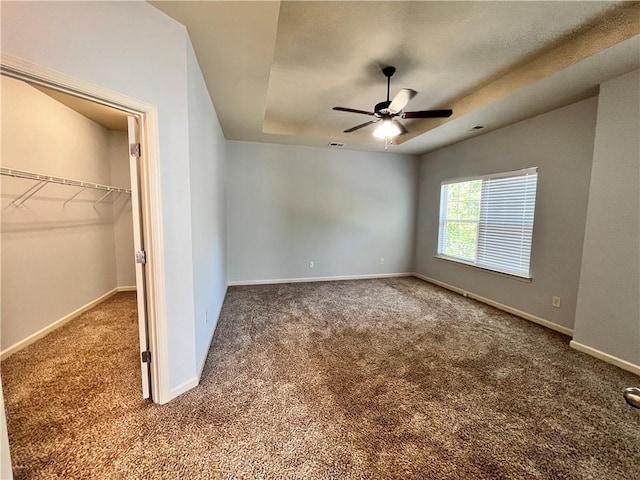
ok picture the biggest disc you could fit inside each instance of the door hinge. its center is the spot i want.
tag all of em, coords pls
(134, 149)
(146, 356)
(141, 257)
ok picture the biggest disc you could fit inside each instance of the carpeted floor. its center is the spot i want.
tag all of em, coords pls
(375, 379)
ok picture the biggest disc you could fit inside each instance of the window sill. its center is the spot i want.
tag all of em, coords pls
(484, 269)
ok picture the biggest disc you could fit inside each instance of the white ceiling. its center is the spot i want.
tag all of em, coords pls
(107, 117)
(275, 69)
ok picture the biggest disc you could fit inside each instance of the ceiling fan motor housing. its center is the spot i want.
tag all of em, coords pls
(381, 106)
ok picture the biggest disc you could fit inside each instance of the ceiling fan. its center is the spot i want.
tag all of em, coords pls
(388, 110)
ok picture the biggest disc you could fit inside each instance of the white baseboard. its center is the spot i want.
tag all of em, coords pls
(57, 324)
(131, 288)
(217, 317)
(318, 279)
(500, 306)
(618, 362)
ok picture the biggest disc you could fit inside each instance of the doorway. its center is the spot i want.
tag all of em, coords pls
(71, 232)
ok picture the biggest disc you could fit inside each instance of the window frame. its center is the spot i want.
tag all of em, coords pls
(442, 222)
(444, 211)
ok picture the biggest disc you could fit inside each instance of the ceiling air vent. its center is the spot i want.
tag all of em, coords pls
(336, 144)
(475, 129)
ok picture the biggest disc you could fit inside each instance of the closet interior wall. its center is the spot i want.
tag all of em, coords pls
(58, 257)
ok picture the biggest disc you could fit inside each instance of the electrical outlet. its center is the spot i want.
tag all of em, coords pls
(311, 264)
(555, 301)
(382, 261)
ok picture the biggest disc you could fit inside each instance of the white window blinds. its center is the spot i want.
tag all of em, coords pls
(502, 206)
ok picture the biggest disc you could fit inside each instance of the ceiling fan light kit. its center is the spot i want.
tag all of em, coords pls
(389, 109)
(387, 129)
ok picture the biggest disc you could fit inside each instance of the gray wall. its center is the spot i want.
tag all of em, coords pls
(344, 210)
(608, 313)
(208, 227)
(560, 144)
(122, 214)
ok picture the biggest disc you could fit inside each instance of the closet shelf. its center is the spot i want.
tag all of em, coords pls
(45, 179)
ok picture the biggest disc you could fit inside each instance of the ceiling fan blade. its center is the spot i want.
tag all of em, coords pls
(428, 114)
(352, 110)
(401, 99)
(403, 130)
(358, 127)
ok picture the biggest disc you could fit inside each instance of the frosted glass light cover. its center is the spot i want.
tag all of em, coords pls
(387, 129)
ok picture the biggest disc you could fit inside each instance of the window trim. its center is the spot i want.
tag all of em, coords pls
(466, 263)
(457, 261)
(511, 173)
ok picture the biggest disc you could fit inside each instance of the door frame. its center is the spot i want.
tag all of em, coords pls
(150, 204)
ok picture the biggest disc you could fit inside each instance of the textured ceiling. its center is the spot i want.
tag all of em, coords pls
(275, 70)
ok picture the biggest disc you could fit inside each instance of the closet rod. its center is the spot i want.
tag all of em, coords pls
(12, 172)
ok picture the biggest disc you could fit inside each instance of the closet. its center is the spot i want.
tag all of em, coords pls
(66, 211)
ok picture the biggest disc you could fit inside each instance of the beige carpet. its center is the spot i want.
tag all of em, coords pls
(376, 379)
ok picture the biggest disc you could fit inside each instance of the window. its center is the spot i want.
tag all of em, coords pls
(488, 221)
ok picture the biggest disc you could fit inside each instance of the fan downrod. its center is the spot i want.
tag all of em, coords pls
(388, 72)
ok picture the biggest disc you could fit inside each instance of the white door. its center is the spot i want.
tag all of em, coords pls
(140, 254)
